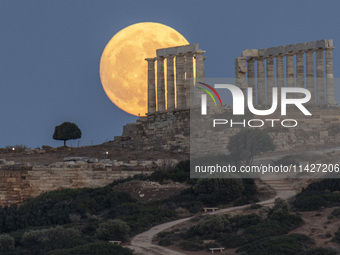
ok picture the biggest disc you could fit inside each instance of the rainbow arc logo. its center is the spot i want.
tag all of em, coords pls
(209, 93)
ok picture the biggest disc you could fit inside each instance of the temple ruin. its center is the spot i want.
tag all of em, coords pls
(184, 64)
(166, 126)
(261, 77)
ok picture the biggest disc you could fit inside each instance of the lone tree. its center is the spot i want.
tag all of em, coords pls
(66, 131)
(248, 143)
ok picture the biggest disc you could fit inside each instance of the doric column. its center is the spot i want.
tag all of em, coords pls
(200, 65)
(151, 85)
(240, 72)
(270, 79)
(280, 80)
(251, 77)
(310, 75)
(199, 74)
(170, 78)
(330, 77)
(300, 72)
(320, 76)
(261, 97)
(189, 70)
(180, 76)
(290, 69)
(160, 84)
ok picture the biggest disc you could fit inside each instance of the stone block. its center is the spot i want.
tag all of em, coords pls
(76, 158)
(250, 53)
(274, 51)
(93, 160)
(177, 50)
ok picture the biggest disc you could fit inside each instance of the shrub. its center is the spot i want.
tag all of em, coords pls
(97, 248)
(317, 195)
(17, 148)
(180, 173)
(280, 210)
(336, 212)
(336, 237)
(281, 245)
(218, 191)
(192, 245)
(245, 221)
(42, 241)
(165, 242)
(319, 251)
(113, 230)
(210, 225)
(255, 206)
(6, 243)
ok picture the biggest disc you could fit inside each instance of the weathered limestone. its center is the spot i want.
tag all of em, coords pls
(330, 76)
(240, 71)
(261, 85)
(294, 77)
(290, 70)
(300, 72)
(151, 85)
(310, 74)
(160, 85)
(180, 77)
(189, 79)
(200, 76)
(320, 83)
(200, 65)
(170, 82)
(270, 79)
(280, 80)
(251, 77)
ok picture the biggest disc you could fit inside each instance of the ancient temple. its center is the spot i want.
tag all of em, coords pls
(319, 82)
(184, 65)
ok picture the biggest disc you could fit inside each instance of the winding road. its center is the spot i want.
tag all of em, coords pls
(142, 244)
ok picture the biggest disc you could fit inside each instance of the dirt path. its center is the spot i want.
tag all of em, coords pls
(142, 243)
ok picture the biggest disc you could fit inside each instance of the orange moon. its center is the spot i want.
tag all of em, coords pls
(123, 68)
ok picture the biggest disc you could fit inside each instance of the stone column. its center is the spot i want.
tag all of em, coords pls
(330, 77)
(189, 70)
(261, 97)
(160, 85)
(180, 77)
(280, 81)
(170, 83)
(320, 76)
(240, 73)
(151, 85)
(310, 75)
(251, 77)
(199, 74)
(270, 79)
(290, 69)
(300, 72)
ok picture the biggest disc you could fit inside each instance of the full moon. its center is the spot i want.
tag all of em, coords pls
(123, 69)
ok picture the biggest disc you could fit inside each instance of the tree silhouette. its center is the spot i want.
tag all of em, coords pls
(248, 143)
(66, 131)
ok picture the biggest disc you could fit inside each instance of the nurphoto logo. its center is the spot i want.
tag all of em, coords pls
(239, 104)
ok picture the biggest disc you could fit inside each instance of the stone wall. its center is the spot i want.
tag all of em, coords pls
(170, 131)
(318, 130)
(22, 181)
(161, 131)
(16, 186)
